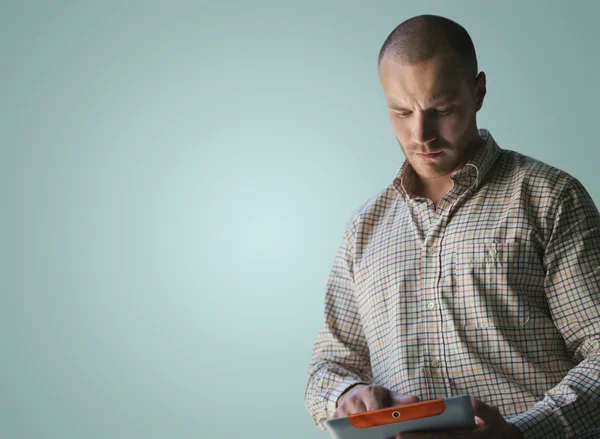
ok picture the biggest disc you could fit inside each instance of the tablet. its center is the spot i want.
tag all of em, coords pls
(385, 423)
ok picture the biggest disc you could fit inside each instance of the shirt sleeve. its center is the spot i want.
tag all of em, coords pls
(572, 408)
(340, 357)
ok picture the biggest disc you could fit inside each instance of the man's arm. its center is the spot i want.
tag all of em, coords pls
(340, 356)
(572, 258)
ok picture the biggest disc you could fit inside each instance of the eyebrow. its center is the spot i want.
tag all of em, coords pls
(444, 97)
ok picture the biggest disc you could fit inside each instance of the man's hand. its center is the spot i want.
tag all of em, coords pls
(489, 424)
(362, 398)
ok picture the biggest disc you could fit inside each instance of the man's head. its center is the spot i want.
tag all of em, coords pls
(428, 70)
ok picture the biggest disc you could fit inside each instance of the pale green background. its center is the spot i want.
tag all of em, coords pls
(175, 179)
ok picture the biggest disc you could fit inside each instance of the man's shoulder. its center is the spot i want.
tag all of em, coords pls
(532, 172)
(371, 210)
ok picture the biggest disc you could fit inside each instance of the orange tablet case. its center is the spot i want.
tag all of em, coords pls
(385, 423)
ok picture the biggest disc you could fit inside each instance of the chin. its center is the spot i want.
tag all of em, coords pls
(430, 172)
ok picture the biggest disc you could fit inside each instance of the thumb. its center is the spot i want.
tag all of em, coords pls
(401, 399)
(486, 413)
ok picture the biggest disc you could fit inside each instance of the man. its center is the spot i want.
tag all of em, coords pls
(476, 271)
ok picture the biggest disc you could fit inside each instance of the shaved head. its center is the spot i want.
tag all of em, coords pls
(424, 37)
(428, 71)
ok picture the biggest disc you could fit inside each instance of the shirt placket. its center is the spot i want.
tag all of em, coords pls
(433, 358)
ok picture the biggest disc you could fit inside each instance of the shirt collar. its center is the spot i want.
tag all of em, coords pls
(474, 171)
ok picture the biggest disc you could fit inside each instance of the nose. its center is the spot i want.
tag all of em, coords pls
(423, 129)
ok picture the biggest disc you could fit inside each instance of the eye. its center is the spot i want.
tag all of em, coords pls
(444, 112)
(402, 113)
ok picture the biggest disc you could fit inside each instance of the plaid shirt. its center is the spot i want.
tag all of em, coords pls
(495, 294)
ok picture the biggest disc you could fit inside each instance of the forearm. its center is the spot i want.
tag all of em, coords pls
(570, 409)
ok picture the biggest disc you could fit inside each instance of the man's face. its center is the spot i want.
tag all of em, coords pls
(432, 109)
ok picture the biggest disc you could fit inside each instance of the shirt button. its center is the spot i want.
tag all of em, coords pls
(493, 252)
(431, 250)
(431, 305)
(435, 363)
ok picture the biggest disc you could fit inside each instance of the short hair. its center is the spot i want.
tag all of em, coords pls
(422, 37)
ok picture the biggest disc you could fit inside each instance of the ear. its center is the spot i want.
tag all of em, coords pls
(480, 90)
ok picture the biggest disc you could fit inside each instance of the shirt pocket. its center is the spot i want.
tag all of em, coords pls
(491, 282)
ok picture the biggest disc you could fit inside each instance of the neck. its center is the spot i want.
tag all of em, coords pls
(435, 188)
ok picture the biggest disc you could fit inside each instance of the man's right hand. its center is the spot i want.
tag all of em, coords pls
(363, 397)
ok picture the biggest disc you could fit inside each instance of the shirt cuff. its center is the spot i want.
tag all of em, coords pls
(539, 422)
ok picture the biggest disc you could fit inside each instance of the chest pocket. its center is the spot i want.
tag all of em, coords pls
(491, 284)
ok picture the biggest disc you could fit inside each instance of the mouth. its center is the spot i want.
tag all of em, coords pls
(428, 155)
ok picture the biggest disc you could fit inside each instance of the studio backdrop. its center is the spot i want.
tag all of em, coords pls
(175, 178)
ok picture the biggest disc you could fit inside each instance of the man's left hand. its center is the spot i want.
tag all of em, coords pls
(489, 424)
